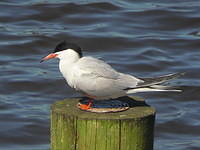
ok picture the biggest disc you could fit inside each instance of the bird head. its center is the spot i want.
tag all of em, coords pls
(62, 49)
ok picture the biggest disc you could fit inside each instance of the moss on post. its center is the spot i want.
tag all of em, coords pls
(73, 129)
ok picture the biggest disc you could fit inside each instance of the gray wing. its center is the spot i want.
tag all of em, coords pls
(99, 78)
(99, 68)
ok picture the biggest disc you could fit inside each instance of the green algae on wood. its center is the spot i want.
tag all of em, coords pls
(73, 129)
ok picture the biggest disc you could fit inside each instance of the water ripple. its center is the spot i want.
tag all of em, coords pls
(141, 38)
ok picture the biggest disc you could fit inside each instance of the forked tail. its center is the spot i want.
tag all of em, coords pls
(153, 84)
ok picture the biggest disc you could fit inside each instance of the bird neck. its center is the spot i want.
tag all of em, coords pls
(67, 61)
(68, 56)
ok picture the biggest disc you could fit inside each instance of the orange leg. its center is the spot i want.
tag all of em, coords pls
(86, 106)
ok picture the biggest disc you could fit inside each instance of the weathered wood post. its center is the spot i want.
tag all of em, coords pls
(73, 129)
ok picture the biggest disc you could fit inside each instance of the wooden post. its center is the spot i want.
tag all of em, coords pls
(73, 129)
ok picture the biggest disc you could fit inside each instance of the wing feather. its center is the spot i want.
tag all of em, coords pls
(97, 78)
(96, 67)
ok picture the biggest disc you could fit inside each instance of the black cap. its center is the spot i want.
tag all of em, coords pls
(67, 45)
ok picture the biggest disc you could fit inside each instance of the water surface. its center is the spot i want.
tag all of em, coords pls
(142, 38)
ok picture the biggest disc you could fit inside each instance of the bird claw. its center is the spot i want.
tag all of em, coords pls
(86, 106)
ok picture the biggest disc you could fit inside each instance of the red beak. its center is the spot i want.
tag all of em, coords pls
(50, 56)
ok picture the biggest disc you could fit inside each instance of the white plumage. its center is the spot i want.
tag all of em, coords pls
(97, 79)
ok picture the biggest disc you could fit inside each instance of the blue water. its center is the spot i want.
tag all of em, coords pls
(143, 38)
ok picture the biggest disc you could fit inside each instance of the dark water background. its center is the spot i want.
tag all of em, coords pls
(140, 37)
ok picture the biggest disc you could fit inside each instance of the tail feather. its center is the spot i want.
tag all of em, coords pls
(158, 80)
(153, 88)
(152, 84)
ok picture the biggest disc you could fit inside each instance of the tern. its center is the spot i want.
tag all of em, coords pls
(98, 80)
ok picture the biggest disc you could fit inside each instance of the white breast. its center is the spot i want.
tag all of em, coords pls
(68, 59)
